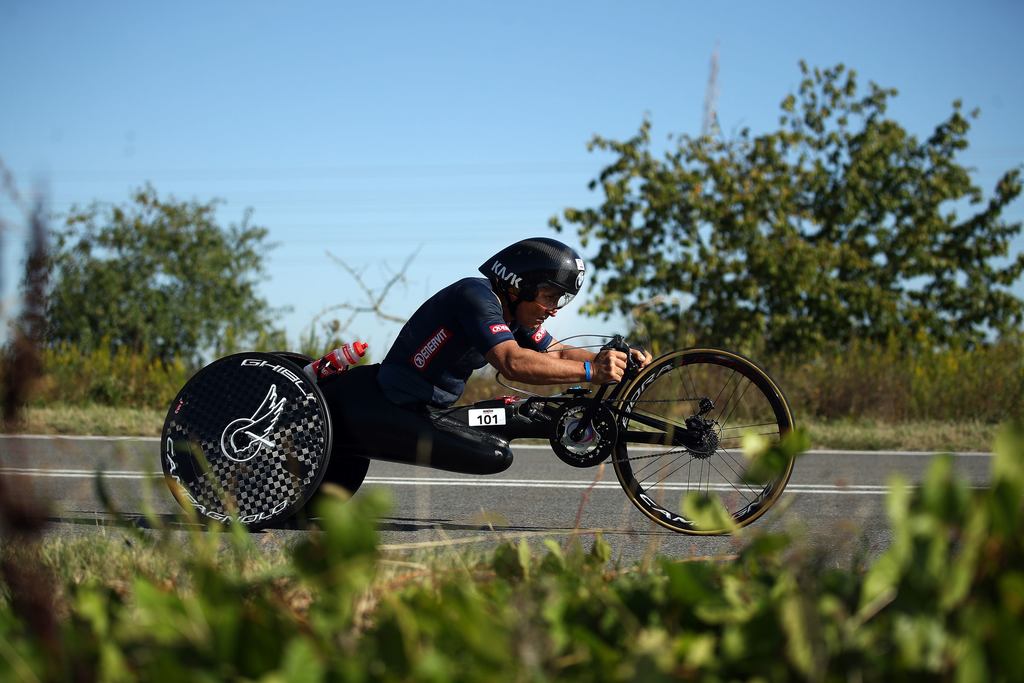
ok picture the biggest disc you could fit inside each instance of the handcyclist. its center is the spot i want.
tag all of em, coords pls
(397, 410)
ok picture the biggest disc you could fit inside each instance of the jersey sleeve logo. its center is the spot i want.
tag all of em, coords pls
(430, 348)
(498, 329)
(538, 336)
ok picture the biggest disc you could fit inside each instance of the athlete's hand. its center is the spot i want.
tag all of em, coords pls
(608, 366)
(642, 357)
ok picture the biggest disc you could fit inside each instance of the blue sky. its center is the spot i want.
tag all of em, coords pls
(376, 129)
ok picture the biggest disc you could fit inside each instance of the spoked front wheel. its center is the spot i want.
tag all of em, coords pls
(682, 422)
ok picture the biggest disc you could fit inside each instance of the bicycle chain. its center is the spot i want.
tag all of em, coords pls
(659, 400)
(643, 457)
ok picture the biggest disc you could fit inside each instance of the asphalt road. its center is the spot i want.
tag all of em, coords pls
(835, 501)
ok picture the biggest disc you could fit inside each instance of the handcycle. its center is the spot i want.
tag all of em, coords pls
(671, 429)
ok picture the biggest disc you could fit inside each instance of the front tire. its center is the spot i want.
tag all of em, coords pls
(670, 390)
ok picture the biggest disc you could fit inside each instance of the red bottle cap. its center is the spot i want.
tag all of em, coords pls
(359, 348)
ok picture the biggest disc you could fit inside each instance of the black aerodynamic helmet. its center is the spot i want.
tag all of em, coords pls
(525, 266)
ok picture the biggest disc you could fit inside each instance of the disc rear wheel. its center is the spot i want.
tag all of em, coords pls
(682, 422)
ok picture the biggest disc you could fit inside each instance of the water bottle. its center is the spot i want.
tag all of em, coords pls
(338, 360)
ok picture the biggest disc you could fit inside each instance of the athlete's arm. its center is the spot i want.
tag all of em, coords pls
(533, 367)
(560, 350)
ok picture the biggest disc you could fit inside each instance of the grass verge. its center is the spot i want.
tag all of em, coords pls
(869, 435)
(89, 419)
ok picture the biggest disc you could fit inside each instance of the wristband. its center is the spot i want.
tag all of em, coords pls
(586, 370)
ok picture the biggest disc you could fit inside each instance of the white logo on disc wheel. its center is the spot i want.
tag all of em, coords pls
(244, 438)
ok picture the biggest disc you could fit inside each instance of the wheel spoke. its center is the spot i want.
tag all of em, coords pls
(740, 436)
(736, 404)
(680, 453)
(669, 474)
(739, 476)
(724, 387)
(711, 464)
(693, 385)
(733, 458)
(688, 471)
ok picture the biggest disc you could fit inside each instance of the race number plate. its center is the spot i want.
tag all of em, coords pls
(487, 417)
(248, 435)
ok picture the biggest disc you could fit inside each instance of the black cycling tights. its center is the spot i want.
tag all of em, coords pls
(365, 422)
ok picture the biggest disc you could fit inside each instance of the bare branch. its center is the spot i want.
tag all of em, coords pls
(375, 298)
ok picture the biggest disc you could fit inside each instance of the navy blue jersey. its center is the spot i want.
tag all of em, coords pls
(445, 341)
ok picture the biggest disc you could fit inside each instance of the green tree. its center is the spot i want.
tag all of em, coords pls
(840, 225)
(158, 276)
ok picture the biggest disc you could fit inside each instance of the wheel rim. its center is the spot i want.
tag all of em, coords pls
(745, 400)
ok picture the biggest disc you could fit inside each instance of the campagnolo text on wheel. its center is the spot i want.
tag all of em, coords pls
(252, 436)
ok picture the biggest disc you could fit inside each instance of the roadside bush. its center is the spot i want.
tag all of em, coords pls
(864, 382)
(892, 384)
(943, 602)
(116, 378)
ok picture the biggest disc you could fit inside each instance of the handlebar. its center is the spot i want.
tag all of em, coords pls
(618, 343)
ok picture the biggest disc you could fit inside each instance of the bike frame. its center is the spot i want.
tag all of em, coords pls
(534, 417)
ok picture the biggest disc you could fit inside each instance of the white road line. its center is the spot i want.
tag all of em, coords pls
(83, 474)
(526, 483)
(515, 446)
(614, 486)
(922, 454)
(72, 437)
(857, 489)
